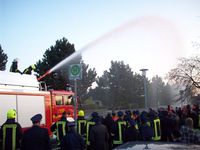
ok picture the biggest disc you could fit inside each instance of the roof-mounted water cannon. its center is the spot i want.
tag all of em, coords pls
(44, 75)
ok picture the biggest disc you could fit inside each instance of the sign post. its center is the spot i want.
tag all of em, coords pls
(75, 73)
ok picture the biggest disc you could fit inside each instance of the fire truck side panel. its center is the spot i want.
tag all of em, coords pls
(23, 93)
(6, 102)
(28, 106)
(48, 109)
(50, 104)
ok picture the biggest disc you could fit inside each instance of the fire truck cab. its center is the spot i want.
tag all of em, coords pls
(23, 93)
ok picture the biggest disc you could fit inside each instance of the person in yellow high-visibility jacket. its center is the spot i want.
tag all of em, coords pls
(11, 132)
(118, 130)
(60, 128)
(81, 123)
(90, 123)
(29, 69)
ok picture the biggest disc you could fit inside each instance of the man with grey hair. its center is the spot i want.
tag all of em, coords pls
(188, 134)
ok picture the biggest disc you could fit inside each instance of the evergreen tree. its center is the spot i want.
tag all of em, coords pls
(88, 77)
(59, 78)
(3, 59)
(52, 56)
(118, 87)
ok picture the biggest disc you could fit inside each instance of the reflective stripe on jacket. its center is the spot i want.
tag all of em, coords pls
(118, 138)
(157, 129)
(81, 127)
(60, 129)
(6, 127)
(88, 128)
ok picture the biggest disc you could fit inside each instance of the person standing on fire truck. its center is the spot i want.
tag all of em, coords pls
(14, 66)
(11, 132)
(29, 69)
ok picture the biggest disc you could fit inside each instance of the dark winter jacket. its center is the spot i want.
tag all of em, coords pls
(58, 128)
(8, 139)
(109, 123)
(131, 134)
(99, 137)
(117, 132)
(36, 138)
(72, 141)
(146, 132)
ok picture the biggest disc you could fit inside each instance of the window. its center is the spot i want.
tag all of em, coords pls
(59, 100)
(64, 99)
(68, 99)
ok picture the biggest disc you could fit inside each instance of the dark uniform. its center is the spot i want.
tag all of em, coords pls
(72, 140)
(118, 130)
(109, 123)
(166, 122)
(11, 132)
(81, 124)
(14, 67)
(155, 124)
(131, 133)
(29, 69)
(89, 125)
(146, 130)
(36, 138)
(99, 136)
(60, 127)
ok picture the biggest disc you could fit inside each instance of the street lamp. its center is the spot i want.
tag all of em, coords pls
(145, 85)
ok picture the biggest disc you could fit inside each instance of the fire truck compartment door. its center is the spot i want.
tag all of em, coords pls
(29, 106)
(6, 102)
(26, 107)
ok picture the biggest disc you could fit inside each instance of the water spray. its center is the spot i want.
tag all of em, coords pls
(77, 53)
(152, 20)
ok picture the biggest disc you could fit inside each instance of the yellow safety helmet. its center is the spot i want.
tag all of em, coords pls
(11, 114)
(33, 67)
(81, 113)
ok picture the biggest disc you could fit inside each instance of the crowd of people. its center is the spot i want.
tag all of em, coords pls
(105, 132)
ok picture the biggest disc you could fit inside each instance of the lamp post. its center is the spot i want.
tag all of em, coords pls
(145, 85)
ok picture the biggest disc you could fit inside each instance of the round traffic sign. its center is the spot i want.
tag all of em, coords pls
(75, 70)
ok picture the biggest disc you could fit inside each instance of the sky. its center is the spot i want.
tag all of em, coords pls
(148, 34)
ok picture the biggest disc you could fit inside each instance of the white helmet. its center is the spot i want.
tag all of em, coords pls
(16, 60)
(70, 122)
(70, 119)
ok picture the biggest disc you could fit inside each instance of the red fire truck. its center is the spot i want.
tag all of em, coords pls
(23, 93)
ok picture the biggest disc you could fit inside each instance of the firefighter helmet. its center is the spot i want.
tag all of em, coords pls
(70, 122)
(11, 114)
(70, 119)
(33, 67)
(16, 60)
(81, 113)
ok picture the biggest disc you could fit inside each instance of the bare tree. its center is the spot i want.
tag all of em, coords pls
(187, 76)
